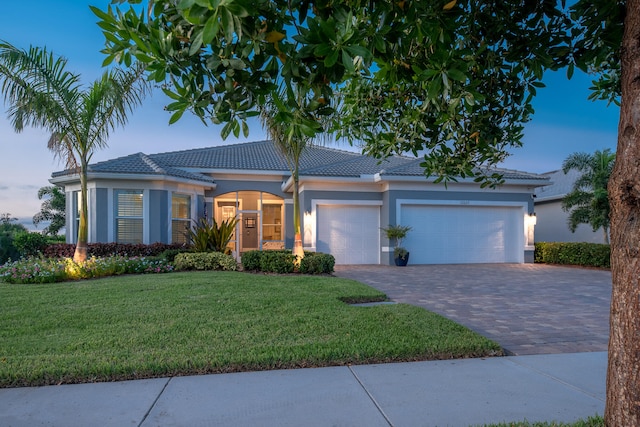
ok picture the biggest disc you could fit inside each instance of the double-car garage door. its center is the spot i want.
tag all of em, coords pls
(440, 234)
(461, 234)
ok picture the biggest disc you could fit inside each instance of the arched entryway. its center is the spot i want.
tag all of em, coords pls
(261, 219)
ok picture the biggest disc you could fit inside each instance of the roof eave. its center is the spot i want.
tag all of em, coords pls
(72, 178)
(413, 178)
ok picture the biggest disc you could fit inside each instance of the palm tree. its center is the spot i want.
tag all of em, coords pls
(293, 121)
(588, 201)
(41, 93)
(52, 209)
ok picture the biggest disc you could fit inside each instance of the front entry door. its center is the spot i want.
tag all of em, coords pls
(250, 230)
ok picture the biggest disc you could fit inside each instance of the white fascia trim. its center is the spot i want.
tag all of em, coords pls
(232, 172)
(465, 181)
(453, 187)
(556, 198)
(69, 179)
(287, 185)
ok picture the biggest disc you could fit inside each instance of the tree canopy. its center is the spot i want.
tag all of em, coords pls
(451, 78)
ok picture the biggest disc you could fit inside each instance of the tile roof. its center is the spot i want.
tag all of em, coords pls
(139, 164)
(264, 156)
(561, 184)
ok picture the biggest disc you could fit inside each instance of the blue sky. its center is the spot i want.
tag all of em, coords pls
(565, 120)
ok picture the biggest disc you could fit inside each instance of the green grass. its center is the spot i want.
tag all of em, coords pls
(595, 421)
(145, 326)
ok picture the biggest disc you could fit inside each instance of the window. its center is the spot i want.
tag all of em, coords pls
(129, 216)
(271, 222)
(180, 218)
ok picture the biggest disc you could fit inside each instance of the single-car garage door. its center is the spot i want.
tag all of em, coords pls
(349, 233)
(445, 234)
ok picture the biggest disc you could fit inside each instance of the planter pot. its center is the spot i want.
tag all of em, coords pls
(402, 262)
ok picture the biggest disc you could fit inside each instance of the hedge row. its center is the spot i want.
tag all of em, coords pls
(585, 254)
(283, 262)
(205, 261)
(66, 250)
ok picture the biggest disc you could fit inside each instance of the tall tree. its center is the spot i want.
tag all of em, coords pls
(52, 209)
(453, 77)
(41, 93)
(588, 201)
(286, 115)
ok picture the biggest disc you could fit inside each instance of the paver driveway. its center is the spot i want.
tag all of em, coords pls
(526, 308)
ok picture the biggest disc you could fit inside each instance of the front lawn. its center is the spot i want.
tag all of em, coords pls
(142, 326)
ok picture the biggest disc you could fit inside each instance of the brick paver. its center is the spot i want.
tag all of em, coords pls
(526, 308)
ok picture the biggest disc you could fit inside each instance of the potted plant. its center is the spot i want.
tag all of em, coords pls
(397, 233)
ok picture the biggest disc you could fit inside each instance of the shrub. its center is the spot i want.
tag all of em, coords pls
(205, 261)
(317, 263)
(30, 244)
(281, 262)
(169, 255)
(8, 232)
(585, 254)
(251, 260)
(66, 250)
(49, 270)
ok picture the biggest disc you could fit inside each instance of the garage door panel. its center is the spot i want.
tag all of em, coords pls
(347, 233)
(463, 234)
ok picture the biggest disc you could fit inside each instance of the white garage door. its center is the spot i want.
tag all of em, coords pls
(464, 234)
(349, 233)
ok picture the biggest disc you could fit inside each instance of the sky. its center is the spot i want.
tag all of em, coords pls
(565, 120)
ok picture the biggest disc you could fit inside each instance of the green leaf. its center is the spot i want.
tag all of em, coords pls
(331, 59)
(176, 116)
(570, 70)
(458, 75)
(196, 44)
(186, 4)
(347, 61)
(226, 130)
(237, 9)
(228, 24)
(210, 29)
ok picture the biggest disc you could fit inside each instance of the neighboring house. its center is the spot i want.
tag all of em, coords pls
(552, 221)
(345, 199)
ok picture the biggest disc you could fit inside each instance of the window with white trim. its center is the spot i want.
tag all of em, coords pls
(128, 216)
(180, 218)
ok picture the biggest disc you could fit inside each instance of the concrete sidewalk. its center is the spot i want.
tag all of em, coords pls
(560, 387)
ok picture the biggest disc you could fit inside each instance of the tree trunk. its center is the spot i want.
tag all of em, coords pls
(80, 255)
(298, 249)
(623, 375)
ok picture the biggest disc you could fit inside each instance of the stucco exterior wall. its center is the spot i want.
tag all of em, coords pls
(552, 226)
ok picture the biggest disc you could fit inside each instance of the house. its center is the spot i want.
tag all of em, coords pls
(345, 199)
(552, 221)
